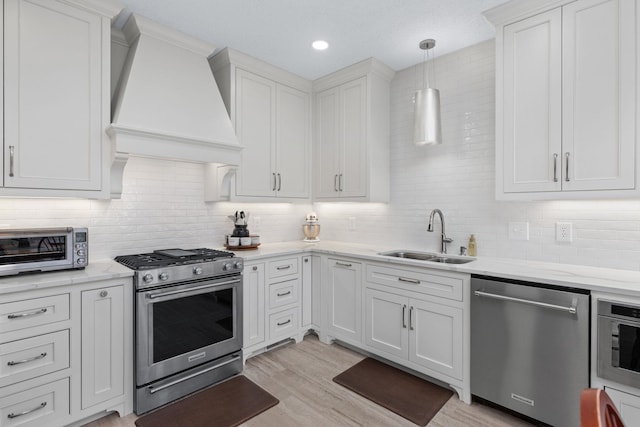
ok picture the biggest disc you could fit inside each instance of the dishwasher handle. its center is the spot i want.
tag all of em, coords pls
(571, 310)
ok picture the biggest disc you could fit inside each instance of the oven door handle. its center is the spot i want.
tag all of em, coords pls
(196, 288)
(153, 389)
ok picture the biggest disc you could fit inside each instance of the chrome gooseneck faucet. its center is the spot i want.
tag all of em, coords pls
(443, 237)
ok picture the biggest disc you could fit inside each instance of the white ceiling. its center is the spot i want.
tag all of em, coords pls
(280, 32)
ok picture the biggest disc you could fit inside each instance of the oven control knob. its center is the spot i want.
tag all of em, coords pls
(237, 265)
(197, 271)
(163, 276)
(147, 278)
(227, 267)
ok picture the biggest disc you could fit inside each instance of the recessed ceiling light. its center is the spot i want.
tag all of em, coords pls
(320, 45)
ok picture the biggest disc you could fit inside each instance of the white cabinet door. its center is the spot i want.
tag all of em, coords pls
(352, 181)
(385, 324)
(345, 300)
(599, 92)
(436, 337)
(293, 145)
(103, 335)
(53, 92)
(567, 114)
(256, 131)
(627, 404)
(532, 70)
(327, 153)
(253, 296)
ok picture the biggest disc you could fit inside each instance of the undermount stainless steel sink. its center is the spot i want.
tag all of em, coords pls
(427, 256)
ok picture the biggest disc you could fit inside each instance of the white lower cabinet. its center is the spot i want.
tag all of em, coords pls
(66, 353)
(102, 345)
(425, 333)
(271, 303)
(253, 305)
(344, 300)
(628, 405)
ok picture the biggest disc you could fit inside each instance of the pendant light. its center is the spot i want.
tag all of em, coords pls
(426, 125)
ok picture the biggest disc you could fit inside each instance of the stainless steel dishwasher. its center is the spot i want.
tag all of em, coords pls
(530, 348)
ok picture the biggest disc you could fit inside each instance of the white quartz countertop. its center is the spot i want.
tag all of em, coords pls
(624, 282)
(95, 271)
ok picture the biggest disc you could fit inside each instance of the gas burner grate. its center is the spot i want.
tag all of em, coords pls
(159, 259)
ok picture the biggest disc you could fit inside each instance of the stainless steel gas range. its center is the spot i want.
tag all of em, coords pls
(188, 322)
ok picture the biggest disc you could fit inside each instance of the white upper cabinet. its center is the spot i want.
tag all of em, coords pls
(351, 134)
(566, 112)
(56, 97)
(271, 112)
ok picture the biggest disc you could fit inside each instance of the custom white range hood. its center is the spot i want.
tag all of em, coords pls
(167, 104)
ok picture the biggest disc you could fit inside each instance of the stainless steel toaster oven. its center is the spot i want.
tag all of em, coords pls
(43, 249)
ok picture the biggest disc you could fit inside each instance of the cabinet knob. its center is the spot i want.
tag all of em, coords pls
(104, 293)
(255, 267)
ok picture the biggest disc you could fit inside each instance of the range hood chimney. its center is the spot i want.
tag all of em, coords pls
(167, 104)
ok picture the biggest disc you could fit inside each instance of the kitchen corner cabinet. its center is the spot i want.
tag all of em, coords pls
(68, 353)
(56, 97)
(271, 111)
(344, 300)
(272, 299)
(566, 114)
(351, 134)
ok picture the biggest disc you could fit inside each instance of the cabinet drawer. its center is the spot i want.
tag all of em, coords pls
(283, 267)
(31, 357)
(284, 323)
(430, 282)
(33, 312)
(283, 293)
(35, 407)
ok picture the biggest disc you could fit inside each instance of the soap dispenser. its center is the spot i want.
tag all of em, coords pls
(473, 250)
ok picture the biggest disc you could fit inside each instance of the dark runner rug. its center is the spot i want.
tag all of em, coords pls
(407, 395)
(227, 404)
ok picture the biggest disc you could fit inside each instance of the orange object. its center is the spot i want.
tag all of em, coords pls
(598, 410)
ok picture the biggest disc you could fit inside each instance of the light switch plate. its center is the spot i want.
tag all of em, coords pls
(518, 231)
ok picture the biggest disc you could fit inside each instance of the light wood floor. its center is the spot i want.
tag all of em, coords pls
(300, 376)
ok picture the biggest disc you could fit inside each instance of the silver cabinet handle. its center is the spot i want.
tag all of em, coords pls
(12, 415)
(335, 182)
(340, 182)
(273, 188)
(12, 153)
(284, 294)
(279, 182)
(31, 359)
(411, 318)
(571, 310)
(344, 264)
(566, 175)
(414, 281)
(555, 167)
(283, 323)
(31, 313)
(104, 293)
(404, 314)
(283, 267)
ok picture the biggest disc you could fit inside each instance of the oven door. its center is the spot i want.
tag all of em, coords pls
(619, 350)
(180, 327)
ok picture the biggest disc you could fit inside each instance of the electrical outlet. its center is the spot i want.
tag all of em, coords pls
(564, 232)
(352, 223)
(518, 231)
(256, 223)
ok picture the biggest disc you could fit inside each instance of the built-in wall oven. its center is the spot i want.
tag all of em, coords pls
(619, 342)
(188, 322)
